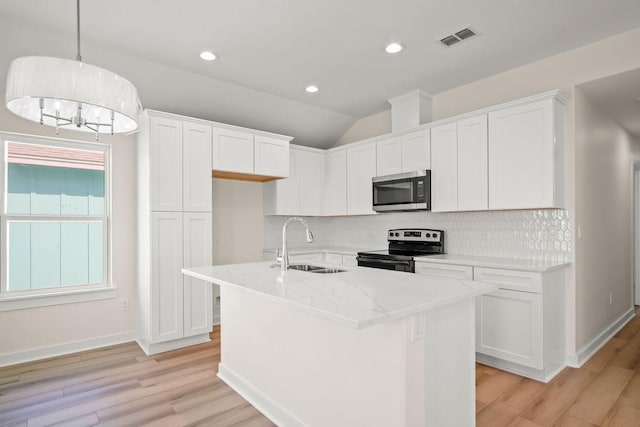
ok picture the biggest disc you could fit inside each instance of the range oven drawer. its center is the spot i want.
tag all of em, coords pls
(386, 264)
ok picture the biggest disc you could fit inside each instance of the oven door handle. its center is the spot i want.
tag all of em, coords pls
(383, 261)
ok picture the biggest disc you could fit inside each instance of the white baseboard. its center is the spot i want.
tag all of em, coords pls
(263, 403)
(577, 360)
(161, 347)
(62, 349)
(215, 320)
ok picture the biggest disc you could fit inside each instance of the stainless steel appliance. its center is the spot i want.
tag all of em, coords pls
(405, 244)
(402, 192)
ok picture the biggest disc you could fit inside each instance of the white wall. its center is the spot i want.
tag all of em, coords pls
(37, 328)
(603, 254)
(367, 127)
(237, 221)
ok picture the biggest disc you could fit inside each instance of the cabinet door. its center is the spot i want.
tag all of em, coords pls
(336, 183)
(232, 151)
(444, 167)
(198, 300)
(509, 327)
(388, 156)
(165, 152)
(473, 187)
(445, 270)
(416, 151)
(196, 167)
(521, 156)
(166, 277)
(361, 167)
(349, 261)
(311, 170)
(271, 157)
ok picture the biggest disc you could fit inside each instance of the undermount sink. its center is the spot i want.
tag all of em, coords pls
(315, 269)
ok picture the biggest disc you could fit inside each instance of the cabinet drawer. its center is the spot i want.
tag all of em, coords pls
(335, 259)
(445, 270)
(510, 279)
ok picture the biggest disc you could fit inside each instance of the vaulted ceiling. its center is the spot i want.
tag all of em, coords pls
(269, 50)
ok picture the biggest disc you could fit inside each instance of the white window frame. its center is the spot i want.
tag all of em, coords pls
(13, 300)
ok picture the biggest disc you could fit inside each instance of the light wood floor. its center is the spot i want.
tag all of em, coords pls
(120, 386)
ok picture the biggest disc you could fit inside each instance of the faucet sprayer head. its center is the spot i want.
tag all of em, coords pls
(309, 236)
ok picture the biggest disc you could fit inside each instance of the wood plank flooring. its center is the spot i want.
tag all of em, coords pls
(120, 386)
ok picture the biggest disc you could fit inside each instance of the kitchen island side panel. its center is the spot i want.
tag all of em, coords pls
(300, 369)
(322, 372)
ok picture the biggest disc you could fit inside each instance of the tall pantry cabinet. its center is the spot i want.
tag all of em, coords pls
(174, 231)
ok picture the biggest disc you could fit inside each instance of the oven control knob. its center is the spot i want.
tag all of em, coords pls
(397, 234)
(435, 235)
(429, 235)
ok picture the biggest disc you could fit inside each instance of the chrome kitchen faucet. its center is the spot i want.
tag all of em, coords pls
(284, 261)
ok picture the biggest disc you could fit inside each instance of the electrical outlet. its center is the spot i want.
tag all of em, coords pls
(124, 304)
(417, 327)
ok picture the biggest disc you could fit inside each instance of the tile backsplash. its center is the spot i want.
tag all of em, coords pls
(544, 234)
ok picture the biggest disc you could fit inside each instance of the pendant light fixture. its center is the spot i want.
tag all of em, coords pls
(66, 93)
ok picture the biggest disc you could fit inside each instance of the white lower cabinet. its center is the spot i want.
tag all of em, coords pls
(520, 326)
(445, 270)
(509, 327)
(197, 245)
(180, 306)
(166, 288)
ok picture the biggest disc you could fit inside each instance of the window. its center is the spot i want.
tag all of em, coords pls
(55, 217)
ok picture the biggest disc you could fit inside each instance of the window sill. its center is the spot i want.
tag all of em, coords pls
(44, 300)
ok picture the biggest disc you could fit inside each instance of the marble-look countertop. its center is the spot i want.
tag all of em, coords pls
(521, 264)
(358, 297)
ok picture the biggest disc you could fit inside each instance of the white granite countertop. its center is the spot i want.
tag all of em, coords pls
(358, 297)
(521, 264)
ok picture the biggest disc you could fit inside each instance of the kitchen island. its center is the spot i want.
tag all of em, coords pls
(363, 347)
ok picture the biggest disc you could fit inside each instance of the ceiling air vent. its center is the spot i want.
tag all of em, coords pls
(458, 36)
(449, 40)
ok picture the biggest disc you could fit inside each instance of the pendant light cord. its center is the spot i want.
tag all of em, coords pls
(78, 56)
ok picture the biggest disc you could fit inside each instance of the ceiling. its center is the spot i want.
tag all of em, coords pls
(269, 50)
(618, 96)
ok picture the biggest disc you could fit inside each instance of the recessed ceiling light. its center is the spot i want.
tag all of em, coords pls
(207, 55)
(393, 48)
(312, 89)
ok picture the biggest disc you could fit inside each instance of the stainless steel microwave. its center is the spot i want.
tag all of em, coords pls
(409, 191)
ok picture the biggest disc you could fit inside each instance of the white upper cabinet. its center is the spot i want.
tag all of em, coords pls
(406, 153)
(311, 170)
(444, 167)
(165, 164)
(238, 152)
(271, 156)
(525, 155)
(361, 168)
(336, 182)
(416, 151)
(472, 164)
(389, 156)
(302, 193)
(232, 151)
(196, 169)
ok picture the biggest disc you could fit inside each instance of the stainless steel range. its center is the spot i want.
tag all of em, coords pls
(405, 244)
